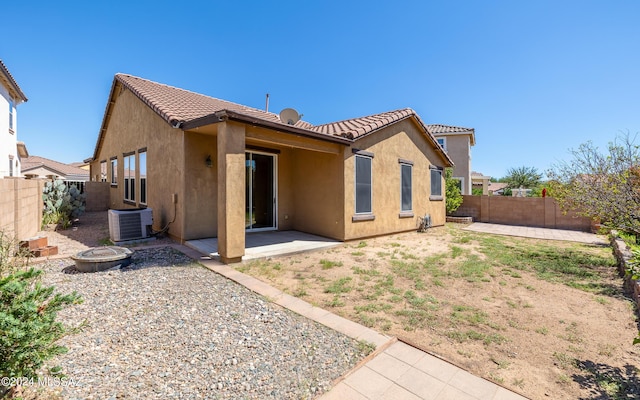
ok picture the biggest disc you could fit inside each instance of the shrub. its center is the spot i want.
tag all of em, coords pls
(453, 197)
(28, 311)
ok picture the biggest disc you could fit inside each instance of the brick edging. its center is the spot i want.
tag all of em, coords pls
(623, 254)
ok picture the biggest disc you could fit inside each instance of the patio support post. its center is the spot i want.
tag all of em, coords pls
(231, 188)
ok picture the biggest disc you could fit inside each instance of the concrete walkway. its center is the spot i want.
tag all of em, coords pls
(395, 370)
(538, 233)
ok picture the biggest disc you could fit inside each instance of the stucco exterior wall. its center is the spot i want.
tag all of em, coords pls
(400, 141)
(200, 186)
(21, 207)
(134, 126)
(318, 193)
(459, 149)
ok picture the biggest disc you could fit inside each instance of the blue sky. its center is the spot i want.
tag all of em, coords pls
(534, 78)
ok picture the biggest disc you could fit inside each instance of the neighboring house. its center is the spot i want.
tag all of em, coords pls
(457, 142)
(480, 181)
(11, 150)
(497, 188)
(212, 168)
(39, 167)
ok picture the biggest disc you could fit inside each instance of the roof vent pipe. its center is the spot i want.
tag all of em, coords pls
(267, 106)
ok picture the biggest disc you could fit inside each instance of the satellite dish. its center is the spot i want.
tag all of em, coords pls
(289, 116)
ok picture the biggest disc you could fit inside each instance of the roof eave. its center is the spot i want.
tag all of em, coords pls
(13, 83)
(429, 135)
(225, 115)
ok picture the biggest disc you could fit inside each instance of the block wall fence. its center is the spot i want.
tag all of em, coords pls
(21, 207)
(540, 212)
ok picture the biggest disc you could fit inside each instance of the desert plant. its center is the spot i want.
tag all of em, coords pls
(61, 203)
(28, 312)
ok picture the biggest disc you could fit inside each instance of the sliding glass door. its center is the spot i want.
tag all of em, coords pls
(260, 213)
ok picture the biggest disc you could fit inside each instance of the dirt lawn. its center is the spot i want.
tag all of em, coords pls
(547, 319)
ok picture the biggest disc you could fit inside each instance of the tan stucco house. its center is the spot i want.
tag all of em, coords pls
(457, 142)
(211, 168)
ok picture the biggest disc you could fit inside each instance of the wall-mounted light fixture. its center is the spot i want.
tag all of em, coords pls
(208, 161)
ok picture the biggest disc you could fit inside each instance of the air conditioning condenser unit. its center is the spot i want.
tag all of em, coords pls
(130, 224)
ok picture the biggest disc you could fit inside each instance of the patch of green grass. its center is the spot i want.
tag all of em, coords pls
(300, 291)
(406, 269)
(339, 286)
(428, 302)
(367, 272)
(456, 251)
(336, 302)
(361, 244)
(542, 330)
(357, 253)
(471, 316)
(415, 319)
(562, 360)
(407, 256)
(433, 265)
(502, 364)
(366, 347)
(372, 308)
(577, 266)
(328, 264)
(366, 320)
(395, 298)
(487, 339)
(395, 244)
(105, 242)
(383, 254)
(473, 268)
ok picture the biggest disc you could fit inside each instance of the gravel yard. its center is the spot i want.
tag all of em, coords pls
(166, 327)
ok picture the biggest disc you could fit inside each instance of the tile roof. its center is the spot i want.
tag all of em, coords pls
(11, 82)
(34, 162)
(357, 127)
(186, 109)
(442, 129)
(178, 105)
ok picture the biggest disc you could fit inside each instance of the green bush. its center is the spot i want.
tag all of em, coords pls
(28, 328)
(453, 197)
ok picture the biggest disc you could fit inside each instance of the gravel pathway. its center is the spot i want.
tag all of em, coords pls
(168, 328)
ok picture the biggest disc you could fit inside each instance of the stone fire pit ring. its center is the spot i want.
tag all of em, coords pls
(98, 259)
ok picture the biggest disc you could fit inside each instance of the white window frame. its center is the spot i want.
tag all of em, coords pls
(444, 142)
(11, 116)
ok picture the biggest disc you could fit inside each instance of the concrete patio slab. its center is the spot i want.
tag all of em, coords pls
(267, 244)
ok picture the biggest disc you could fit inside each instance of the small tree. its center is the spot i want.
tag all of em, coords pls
(452, 192)
(522, 177)
(602, 185)
(28, 327)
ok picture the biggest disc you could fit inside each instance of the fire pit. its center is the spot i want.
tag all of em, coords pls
(98, 259)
